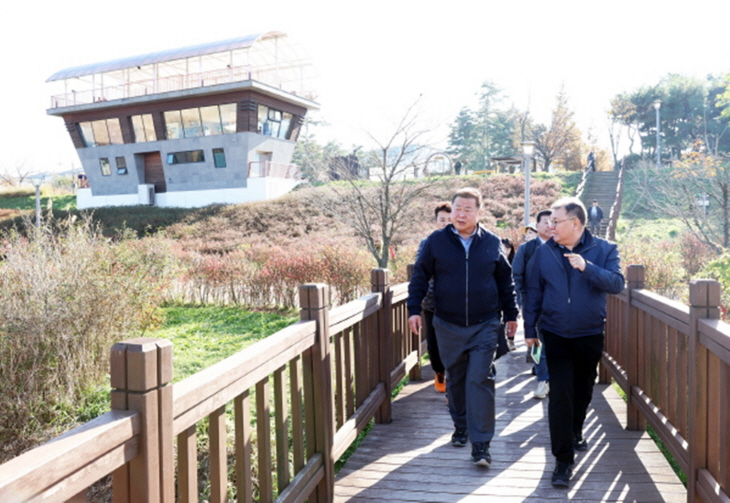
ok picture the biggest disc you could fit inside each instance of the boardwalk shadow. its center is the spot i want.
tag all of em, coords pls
(412, 459)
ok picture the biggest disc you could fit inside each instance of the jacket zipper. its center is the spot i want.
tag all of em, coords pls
(467, 288)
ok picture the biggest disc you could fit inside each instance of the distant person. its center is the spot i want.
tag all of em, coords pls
(530, 232)
(457, 167)
(592, 161)
(566, 295)
(442, 217)
(595, 215)
(472, 284)
(520, 272)
(505, 344)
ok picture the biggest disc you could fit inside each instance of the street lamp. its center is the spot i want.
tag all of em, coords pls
(527, 149)
(657, 106)
(36, 181)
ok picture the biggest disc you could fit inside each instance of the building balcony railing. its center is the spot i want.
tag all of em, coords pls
(262, 169)
(175, 83)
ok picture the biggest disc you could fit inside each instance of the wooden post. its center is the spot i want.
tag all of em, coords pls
(704, 302)
(141, 371)
(313, 301)
(635, 275)
(380, 279)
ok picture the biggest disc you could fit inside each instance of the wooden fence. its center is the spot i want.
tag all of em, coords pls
(673, 363)
(331, 373)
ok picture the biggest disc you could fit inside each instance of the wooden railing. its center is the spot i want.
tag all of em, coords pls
(331, 373)
(673, 363)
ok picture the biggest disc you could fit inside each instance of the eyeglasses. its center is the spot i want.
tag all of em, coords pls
(554, 223)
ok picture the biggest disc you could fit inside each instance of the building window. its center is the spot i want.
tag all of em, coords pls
(192, 126)
(185, 157)
(173, 125)
(121, 166)
(219, 158)
(205, 121)
(102, 132)
(273, 122)
(144, 128)
(106, 169)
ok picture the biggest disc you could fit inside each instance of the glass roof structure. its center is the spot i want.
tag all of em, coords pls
(270, 58)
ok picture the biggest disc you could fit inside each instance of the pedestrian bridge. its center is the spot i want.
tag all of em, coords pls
(270, 422)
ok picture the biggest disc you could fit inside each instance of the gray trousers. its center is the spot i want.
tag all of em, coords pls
(595, 227)
(467, 354)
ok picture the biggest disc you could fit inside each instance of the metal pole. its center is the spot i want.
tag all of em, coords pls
(528, 166)
(658, 141)
(38, 205)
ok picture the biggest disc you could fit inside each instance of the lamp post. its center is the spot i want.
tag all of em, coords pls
(527, 149)
(657, 106)
(37, 184)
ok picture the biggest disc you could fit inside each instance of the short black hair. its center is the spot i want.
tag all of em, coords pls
(543, 213)
(442, 206)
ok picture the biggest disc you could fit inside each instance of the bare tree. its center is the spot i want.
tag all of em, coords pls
(696, 191)
(379, 208)
(17, 175)
(561, 139)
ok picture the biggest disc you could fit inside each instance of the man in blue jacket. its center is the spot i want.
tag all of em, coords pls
(566, 291)
(472, 285)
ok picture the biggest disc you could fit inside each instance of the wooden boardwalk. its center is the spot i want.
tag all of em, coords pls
(412, 459)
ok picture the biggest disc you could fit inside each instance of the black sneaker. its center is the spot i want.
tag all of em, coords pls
(480, 454)
(460, 437)
(579, 443)
(562, 474)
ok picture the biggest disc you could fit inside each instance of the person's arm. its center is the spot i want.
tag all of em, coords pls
(518, 273)
(418, 285)
(607, 276)
(533, 299)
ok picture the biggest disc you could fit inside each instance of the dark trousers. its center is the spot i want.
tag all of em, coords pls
(572, 364)
(431, 342)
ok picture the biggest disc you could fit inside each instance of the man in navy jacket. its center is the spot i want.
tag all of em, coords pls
(472, 285)
(567, 285)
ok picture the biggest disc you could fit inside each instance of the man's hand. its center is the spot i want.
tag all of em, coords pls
(511, 329)
(577, 261)
(533, 341)
(414, 323)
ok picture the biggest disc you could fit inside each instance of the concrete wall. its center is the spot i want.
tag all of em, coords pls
(239, 149)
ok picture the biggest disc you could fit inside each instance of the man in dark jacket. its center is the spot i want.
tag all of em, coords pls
(595, 216)
(567, 285)
(520, 270)
(472, 285)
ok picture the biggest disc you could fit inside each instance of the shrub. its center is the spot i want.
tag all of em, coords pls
(66, 295)
(665, 274)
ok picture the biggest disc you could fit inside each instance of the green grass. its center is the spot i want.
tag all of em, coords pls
(65, 202)
(204, 335)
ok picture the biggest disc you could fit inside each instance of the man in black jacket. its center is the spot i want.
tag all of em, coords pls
(567, 285)
(472, 285)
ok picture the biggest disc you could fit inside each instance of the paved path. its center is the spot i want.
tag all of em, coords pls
(412, 459)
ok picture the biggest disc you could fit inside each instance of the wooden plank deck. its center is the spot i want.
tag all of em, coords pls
(412, 459)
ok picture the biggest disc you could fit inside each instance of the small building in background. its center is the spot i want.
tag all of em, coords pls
(188, 127)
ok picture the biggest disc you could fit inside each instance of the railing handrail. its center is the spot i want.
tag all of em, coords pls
(135, 445)
(616, 206)
(669, 359)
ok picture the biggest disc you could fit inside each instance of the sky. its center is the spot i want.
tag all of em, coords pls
(374, 59)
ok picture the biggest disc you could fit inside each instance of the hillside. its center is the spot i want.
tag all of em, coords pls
(300, 216)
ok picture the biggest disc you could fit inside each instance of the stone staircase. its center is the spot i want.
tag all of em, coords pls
(601, 186)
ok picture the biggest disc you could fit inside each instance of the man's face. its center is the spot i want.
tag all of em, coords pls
(443, 218)
(595, 203)
(544, 229)
(464, 214)
(564, 227)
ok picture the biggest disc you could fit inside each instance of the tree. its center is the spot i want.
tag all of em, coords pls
(691, 110)
(378, 209)
(478, 135)
(695, 190)
(561, 141)
(313, 158)
(17, 175)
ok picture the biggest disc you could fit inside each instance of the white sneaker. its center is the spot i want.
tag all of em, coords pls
(543, 388)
